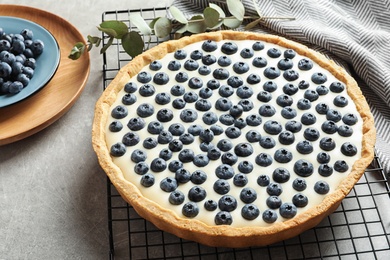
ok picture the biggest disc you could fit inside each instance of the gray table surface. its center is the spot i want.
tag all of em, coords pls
(52, 191)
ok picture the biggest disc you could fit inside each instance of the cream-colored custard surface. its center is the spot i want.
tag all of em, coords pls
(156, 194)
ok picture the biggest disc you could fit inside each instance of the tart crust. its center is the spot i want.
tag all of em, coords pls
(228, 236)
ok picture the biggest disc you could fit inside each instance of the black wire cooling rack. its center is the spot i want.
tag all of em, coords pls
(358, 229)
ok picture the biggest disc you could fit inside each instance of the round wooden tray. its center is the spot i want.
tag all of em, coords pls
(33, 114)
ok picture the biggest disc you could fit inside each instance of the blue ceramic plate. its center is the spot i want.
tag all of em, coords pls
(46, 64)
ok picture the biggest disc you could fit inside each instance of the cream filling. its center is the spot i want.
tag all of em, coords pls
(155, 194)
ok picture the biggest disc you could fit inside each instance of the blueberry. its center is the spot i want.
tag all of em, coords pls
(303, 168)
(213, 84)
(196, 54)
(244, 91)
(337, 87)
(240, 123)
(164, 115)
(273, 202)
(190, 210)
(304, 147)
(274, 53)
(115, 126)
(333, 115)
(138, 156)
(267, 142)
(264, 96)
(210, 205)
(177, 90)
(304, 104)
(18, 47)
(311, 95)
(225, 91)
(186, 155)
(285, 64)
(224, 61)
(23, 78)
(147, 90)
(227, 203)
(155, 127)
(299, 184)
(274, 189)
(136, 123)
(145, 110)
(164, 137)
(175, 145)
(311, 134)
(300, 200)
(178, 103)
(197, 194)
(322, 108)
(329, 127)
(190, 97)
(223, 218)
(209, 45)
(221, 186)
(17, 68)
(235, 81)
(147, 180)
(224, 171)
(180, 54)
(253, 136)
(130, 139)
(119, 112)
(269, 216)
(165, 154)
(236, 111)
(149, 143)
(263, 159)
(246, 104)
(144, 77)
(305, 64)
(290, 75)
(155, 65)
(286, 137)
(327, 144)
(288, 112)
(240, 180)
(181, 77)
(308, 119)
(272, 127)
(272, 72)
(225, 145)
(221, 73)
(176, 197)
(340, 101)
(288, 210)
(195, 83)
(205, 92)
(204, 70)
(191, 65)
(348, 149)
(319, 78)
(188, 115)
(268, 86)
(226, 119)
(209, 118)
(129, 99)
(118, 149)
(203, 105)
(321, 187)
(282, 155)
(160, 78)
(263, 180)
(229, 48)
(293, 126)
(253, 120)
(198, 177)
(229, 158)
(246, 53)
(232, 132)
(29, 72)
(253, 78)
(174, 65)
(194, 130)
(217, 130)
(175, 165)
(258, 46)
(176, 129)
(243, 149)
(209, 59)
(325, 170)
(158, 165)
(201, 160)
(281, 175)
(223, 104)
(250, 212)
(240, 67)
(259, 62)
(345, 130)
(323, 157)
(322, 90)
(141, 168)
(341, 166)
(284, 100)
(267, 110)
(15, 87)
(350, 119)
(303, 84)
(182, 175)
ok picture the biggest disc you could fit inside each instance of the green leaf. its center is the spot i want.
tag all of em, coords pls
(94, 40)
(197, 24)
(140, 23)
(232, 22)
(178, 15)
(132, 43)
(151, 24)
(77, 50)
(108, 44)
(162, 27)
(252, 24)
(236, 8)
(218, 9)
(114, 28)
(182, 29)
(211, 17)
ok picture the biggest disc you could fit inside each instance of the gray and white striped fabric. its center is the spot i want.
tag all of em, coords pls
(353, 33)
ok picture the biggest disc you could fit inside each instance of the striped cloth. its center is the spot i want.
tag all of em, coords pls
(353, 33)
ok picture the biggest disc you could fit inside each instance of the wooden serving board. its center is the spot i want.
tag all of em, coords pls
(38, 111)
